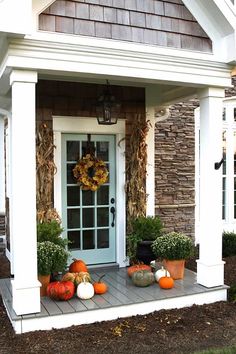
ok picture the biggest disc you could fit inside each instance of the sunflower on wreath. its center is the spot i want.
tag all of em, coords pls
(90, 172)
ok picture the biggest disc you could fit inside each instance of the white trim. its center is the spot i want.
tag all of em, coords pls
(2, 167)
(103, 314)
(63, 124)
(134, 62)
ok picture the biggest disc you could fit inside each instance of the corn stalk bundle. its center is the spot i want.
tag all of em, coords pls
(136, 170)
(45, 172)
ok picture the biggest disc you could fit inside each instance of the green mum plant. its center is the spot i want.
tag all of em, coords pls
(51, 258)
(173, 246)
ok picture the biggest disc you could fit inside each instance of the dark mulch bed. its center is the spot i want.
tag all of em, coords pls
(173, 331)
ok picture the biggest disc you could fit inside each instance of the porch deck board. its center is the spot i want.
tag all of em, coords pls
(51, 306)
(116, 295)
(145, 293)
(78, 306)
(122, 298)
(5, 287)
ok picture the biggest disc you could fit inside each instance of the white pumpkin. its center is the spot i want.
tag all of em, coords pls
(85, 290)
(161, 273)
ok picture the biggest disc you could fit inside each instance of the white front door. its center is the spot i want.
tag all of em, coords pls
(88, 217)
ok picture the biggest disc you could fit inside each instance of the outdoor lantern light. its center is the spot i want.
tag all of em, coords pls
(107, 107)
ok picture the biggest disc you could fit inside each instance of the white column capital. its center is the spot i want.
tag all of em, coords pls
(23, 76)
(211, 92)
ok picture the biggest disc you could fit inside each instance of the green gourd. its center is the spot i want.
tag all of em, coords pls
(143, 278)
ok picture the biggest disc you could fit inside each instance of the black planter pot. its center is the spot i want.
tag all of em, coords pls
(144, 252)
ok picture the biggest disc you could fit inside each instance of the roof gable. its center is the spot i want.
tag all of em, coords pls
(156, 22)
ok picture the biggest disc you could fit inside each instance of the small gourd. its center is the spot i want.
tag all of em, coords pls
(69, 277)
(166, 282)
(81, 276)
(143, 278)
(100, 287)
(85, 290)
(161, 273)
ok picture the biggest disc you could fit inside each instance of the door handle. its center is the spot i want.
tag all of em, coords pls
(113, 211)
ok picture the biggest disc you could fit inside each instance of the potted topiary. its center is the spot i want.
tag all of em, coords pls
(145, 230)
(51, 258)
(51, 231)
(173, 249)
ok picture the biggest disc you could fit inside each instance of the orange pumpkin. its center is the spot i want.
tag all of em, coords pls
(100, 287)
(136, 267)
(78, 266)
(166, 282)
(61, 290)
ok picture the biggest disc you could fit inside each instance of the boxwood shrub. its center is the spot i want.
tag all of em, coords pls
(229, 244)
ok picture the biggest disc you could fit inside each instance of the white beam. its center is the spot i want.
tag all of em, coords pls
(25, 289)
(210, 267)
(2, 167)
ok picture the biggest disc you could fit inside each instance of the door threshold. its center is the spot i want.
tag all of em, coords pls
(103, 267)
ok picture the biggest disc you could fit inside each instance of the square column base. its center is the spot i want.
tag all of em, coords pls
(210, 275)
(26, 300)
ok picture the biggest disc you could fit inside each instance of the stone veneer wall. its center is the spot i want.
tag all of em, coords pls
(175, 168)
(2, 225)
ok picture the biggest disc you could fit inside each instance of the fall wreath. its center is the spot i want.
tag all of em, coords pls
(90, 172)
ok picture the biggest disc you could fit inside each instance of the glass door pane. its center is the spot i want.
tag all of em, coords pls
(87, 219)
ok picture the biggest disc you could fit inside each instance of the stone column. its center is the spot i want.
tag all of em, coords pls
(150, 179)
(210, 267)
(25, 286)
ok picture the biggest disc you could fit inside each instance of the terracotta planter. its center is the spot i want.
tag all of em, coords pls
(175, 268)
(44, 280)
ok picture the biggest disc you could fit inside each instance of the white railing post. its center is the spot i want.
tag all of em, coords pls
(25, 286)
(210, 267)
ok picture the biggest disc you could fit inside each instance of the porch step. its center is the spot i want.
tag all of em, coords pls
(103, 267)
(123, 299)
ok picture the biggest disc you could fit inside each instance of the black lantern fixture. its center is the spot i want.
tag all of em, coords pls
(107, 107)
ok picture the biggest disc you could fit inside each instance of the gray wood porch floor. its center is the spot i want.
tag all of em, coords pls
(121, 292)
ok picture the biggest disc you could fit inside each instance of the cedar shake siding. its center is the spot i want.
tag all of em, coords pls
(61, 98)
(165, 23)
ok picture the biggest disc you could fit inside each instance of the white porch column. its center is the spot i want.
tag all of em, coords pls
(150, 180)
(210, 267)
(25, 286)
(2, 167)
